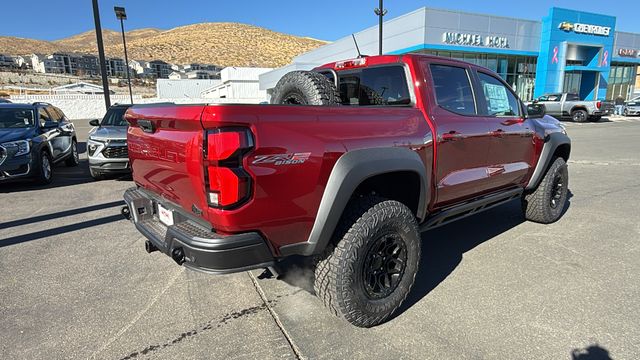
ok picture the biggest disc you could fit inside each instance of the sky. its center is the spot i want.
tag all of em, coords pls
(326, 20)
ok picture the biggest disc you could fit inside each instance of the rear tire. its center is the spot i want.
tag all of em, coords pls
(368, 273)
(547, 202)
(579, 116)
(305, 88)
(74, 159)
(45, 169)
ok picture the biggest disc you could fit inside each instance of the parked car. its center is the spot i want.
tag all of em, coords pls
(107, 144)
(34, 137)
(570, 106)
(632, 108)
(399, 145)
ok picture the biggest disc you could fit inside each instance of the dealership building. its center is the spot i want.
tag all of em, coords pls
(567, 51)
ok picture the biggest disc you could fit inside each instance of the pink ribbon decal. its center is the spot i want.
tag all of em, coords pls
(554, 59)
(605, 58)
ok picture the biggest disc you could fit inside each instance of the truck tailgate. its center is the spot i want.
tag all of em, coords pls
(165, 149)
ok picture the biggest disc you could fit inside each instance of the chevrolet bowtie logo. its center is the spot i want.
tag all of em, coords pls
(566, 26)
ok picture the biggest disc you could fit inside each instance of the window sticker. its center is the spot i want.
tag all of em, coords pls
(497, 99)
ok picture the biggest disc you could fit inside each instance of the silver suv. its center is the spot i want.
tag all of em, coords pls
(107, 144)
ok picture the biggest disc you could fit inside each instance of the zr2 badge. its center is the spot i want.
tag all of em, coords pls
(282, 159)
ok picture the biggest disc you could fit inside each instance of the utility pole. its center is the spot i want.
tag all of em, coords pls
(381, 12)
(103, 65)
(122, 16)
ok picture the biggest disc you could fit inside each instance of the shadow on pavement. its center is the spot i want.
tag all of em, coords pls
(592, 352)
(59, 230)
(59, 214)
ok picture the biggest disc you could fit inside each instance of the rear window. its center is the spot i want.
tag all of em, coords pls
(378, 86)
(115, 117)
(453, 89)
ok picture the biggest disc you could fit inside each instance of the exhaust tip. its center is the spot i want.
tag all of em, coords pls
(149, 247)
(125, 212)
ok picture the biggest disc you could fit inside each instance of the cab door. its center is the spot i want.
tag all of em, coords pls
(511, 153)
(461, 134)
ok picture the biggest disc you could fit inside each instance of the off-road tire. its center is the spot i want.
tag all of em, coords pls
(580, 116)
(96, 174)
(305, 88)
(537, 205)
(74, 158)
(339, 271)
(42, 175)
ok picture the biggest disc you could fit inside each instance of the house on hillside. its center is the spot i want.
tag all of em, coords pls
(238, 84)
(116, 68)
(47, 64)
(7, 61)
(176, 75)
(79, 88)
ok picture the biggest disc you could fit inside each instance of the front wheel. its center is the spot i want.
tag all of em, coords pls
(45, 171)
(547, 202)
(368, 273)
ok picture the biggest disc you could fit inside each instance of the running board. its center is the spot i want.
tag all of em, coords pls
(470, 208)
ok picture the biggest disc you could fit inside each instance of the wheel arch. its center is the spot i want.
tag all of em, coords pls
(358, 172)
(556, 144)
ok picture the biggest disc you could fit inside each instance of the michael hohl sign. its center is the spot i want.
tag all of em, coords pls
(455, 38)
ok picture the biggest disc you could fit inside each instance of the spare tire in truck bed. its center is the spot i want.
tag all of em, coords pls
(305, 88)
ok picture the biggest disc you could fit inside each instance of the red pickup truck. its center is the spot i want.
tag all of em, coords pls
(349, 163)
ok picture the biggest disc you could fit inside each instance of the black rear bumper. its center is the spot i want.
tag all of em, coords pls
(191, 244)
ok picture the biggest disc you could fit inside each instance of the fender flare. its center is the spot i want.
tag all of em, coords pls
(351, 169)
(551, 144)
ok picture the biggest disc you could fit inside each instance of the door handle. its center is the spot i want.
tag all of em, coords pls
(497, 133)
(452, 136)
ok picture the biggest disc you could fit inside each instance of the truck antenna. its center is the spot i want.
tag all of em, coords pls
(357, 48)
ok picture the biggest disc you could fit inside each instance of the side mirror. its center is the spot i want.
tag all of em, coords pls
(94, 122)
(535, 111)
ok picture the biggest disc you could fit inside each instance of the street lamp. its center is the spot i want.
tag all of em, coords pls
(381, 12)
(121, 14)
(103, 66)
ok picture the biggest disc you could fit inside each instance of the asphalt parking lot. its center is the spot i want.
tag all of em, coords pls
(77, 283)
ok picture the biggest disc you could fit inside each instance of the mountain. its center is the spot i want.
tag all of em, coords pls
(224, 44)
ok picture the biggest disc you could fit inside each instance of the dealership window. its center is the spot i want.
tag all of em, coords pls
(518, 71)
(622, 78)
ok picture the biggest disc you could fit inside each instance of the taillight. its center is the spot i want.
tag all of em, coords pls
(598, 104)
(345, 64)
(228, 184)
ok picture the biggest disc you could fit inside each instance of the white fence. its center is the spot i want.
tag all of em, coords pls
(92, 106)
(76, 106)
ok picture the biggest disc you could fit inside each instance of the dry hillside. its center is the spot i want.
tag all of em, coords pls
(225, 44)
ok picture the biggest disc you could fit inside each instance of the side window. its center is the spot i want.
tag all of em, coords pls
(500, 100)
(43, 117)
(385, 85)
(453, 89)
(573, 97)
(53, 114)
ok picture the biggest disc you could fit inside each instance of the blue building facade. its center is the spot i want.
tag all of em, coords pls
(567, 51)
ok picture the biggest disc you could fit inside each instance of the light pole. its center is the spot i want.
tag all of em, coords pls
(381, 12)
(122, 16)
(103, 65)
